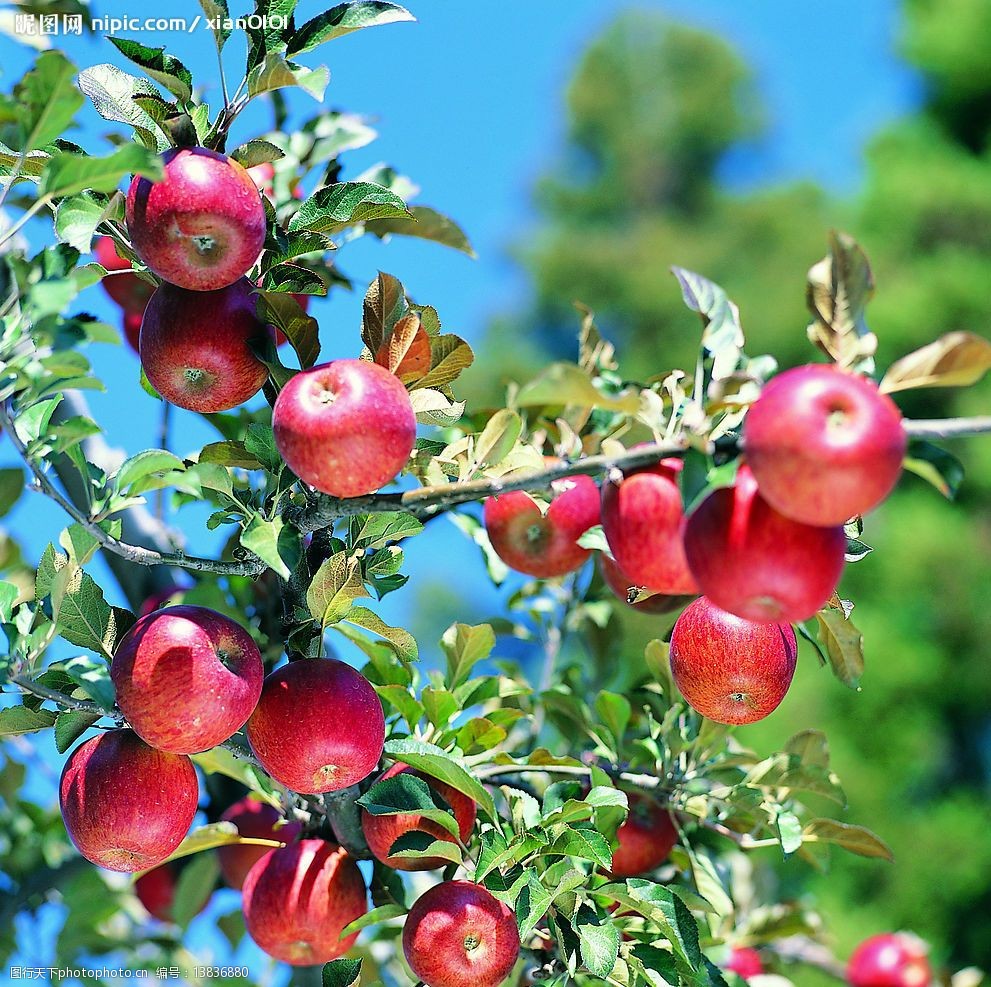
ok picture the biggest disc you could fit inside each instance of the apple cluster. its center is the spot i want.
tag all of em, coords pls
(821, 446)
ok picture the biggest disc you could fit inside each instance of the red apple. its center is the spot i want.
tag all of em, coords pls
(195, 346)
(203, 225)
(131, 325)
(643, 521)
(621, 584)
(345, 427)
(187, 678)
(645, 838)
(824, 444)
(457, 934)
(263, 176)
(892, 959)
(126, 806)
(297, 901)
(129, 291)
(745, 962)
(255, 820)
(381, 832)
(754, 562)
(730, 669)
(543, 545)
(318, 727)
(156, 889)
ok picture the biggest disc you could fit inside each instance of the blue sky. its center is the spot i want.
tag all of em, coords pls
(469, 103)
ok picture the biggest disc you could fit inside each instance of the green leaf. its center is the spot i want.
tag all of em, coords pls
(844, 645)
(93, 677)
(11, 486)
(256, 152)
(213, 835)
(84, 617)
(465, 646)
(531, 905)
(112, 93)
(70, 726)
(47, 101)
(276, 73)
(232, 927)
(416, 844)
(400, 640)
(722, 338)
(77, 218)
(406, 793)
(381, 914)
(335, 207)
(166, 69)
(856, 839)
(276, 544)
(584, 842)
(375, 531)
(599, 947)
(567, 384)
(382, 308)
(789, 831)
(334, 588)
(8, 595)
(16, 720)
(222, 761)
(498, 438)
(145, 464)
(229, 453)
(343, 19)
(438, 764)
(67, 174)
(284, 312)
(259, 441)
(424, 223)
(936, 466)
(341, 973)
(615, 711)
(194, 887)
(218, 15)
(399, 698)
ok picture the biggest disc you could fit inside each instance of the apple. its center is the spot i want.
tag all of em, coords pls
(381, 832)
(458, 934)
(621, 585)
(125, 805)
(187, 678)
(203, 225)
(745, 962)
(891, 959)
(824, 444)
(543, 545)
(255, 820)
(643, 521)
(729, 669)
(645, 838)
(156, 889)
(346, 427)
(298, 900)
(318, 727)
(129, 291)
(756, 563)
(131, 326)
(195, 346)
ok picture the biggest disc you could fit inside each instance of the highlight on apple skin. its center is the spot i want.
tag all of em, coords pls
(202, 226)
(195, 346)
(126, 806)
(323, 421)
(187, 678)
(824, 444)
(297, 901)
(729, 669)
(756, 563)
(338, 726)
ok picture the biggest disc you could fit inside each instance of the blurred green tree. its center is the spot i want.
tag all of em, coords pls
(653, 109)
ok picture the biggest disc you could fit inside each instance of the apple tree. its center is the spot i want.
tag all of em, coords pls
(250, 719)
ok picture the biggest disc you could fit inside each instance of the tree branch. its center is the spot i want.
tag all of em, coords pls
(60, 698)
(947, 428)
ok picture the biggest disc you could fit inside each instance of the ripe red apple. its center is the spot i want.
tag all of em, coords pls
(255, 820)
(543, 545)
(187, 678)
(263, 176)
(620, 584)
(745, 962)
(156, 889)
(297, 901)
(824, 444)
(643, 520)
(131, 325)
(126, 806)
(195, 346)
(892, 959)
(645, 838)
(203, 225)
(345, 427)
(129, 291)
(730, 669)
(381, 832)
(318, 727)
(754, 562)
(458, 934)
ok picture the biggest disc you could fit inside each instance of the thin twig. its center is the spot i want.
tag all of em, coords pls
(947, 428)
(60, 698)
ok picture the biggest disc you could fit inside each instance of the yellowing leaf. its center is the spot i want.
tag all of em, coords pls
(844, 645)
(957, 359)
(567, 383)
